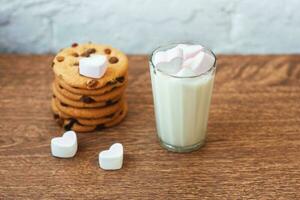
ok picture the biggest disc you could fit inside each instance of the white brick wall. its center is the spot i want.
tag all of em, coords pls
(137, 26)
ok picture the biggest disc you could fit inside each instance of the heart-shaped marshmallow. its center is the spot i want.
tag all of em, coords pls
(111, 159)
(190, 50)
(200, 63)
(169, 61)
(186, 72)
(94, 66)
(65, 146)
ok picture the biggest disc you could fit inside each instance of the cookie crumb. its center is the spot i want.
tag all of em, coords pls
(113, 60)
(60, 58)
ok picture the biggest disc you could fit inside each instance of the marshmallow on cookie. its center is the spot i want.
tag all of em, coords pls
(94, 66)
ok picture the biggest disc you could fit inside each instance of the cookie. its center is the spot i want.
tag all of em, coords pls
(60, 117)
(87, 103)
(118, 82)
(65, 65)
(56, 111)
(74, 125)
(89, 112)
(113, 94)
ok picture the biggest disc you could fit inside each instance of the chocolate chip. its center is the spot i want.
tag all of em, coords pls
(100, 127)
(91, 51)
(74, 44)
(111, 102)
(113, 60)
(53, 96)
(88, 52)
(110, 116)
(85, 54)
(75, 54)
(60, 58)
(60, 86)
(107, 51)
(120, 79)
(69, 126)
(113, 82)
(87, 99)
(63, 104)
(91, 83)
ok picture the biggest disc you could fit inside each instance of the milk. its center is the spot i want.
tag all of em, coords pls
(181, 108)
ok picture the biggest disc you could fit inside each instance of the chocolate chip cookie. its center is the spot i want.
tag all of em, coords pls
(66, 63)
(89, 112)
(113, 94)
(85, 101)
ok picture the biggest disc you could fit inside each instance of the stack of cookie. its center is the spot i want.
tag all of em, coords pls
(85, 104)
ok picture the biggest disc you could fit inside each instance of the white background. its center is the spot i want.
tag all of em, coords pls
(137, 26)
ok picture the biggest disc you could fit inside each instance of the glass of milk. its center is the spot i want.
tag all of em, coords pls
(182, 100)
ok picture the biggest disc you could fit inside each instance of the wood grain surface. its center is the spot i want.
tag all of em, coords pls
(252, 149)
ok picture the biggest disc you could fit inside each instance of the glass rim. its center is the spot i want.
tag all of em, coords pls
(211, 68)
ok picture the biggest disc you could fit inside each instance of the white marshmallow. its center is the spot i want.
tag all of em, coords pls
(65, 146)
(111, 159)
(200, 63)
(94, 66)
(186, 72)
(169, 61)
(167, 56)
(190, 50)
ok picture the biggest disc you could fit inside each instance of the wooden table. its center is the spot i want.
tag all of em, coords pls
(252, 149)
